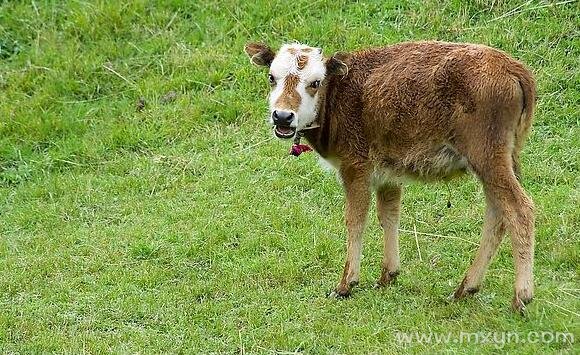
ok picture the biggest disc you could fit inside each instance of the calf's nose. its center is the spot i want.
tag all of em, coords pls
(282, 118)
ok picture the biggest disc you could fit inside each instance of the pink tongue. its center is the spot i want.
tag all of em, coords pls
(284, 130)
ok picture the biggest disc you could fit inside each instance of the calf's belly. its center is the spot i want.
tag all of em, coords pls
(440, 164)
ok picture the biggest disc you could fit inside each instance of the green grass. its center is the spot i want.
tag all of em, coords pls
(161, 230)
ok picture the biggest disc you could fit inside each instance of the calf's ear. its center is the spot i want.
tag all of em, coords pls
(260, 54)
(338, 64)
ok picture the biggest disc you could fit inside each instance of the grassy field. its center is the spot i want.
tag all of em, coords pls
(144, 206)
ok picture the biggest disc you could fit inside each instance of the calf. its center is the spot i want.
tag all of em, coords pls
(420, 110)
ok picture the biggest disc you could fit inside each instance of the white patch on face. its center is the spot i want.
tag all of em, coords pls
(286, 63)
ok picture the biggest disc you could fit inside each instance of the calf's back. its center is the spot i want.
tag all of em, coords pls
(417, 109)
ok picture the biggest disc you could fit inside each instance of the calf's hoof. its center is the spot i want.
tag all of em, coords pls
(387, 278)
(464, 291)
(342, 290)
(521, 300)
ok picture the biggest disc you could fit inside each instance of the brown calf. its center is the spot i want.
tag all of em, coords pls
(422, 110)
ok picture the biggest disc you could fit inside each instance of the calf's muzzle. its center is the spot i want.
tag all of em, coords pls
(282, 118)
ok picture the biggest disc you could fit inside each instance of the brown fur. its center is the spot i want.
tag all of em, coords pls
(290, 98)
(302, 61)
(430, 111)
(259, 53)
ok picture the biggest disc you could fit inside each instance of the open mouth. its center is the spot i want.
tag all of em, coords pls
(284, 132)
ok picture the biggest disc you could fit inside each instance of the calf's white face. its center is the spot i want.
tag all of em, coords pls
(297, 74)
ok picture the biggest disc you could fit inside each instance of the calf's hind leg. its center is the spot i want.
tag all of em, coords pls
(515, 211)
(518, 214)
(493, 233)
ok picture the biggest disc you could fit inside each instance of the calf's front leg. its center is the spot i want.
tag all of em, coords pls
(389, 211)
(356, 187)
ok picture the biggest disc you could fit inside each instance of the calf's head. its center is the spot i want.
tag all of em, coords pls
(298, 76)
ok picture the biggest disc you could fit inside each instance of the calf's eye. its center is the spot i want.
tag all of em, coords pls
(271, 79)
(315, 84)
